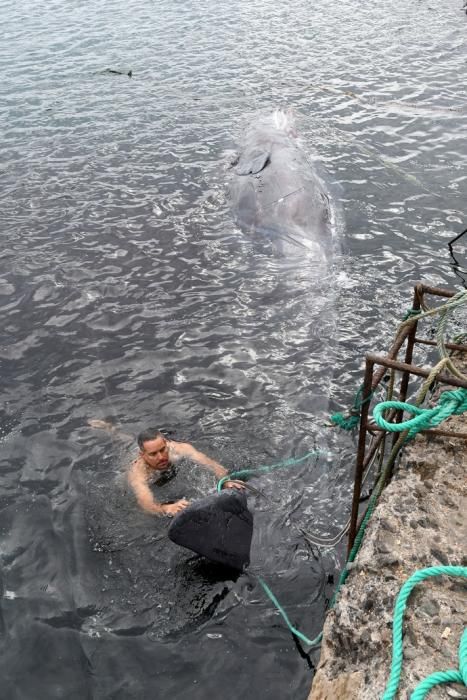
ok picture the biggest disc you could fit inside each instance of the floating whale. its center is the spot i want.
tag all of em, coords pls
(276, 191)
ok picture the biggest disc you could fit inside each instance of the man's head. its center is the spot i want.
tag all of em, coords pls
(154, 449)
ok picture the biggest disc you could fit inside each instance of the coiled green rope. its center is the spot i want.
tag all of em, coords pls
(450, 403)
(442, 677)
(396, 665)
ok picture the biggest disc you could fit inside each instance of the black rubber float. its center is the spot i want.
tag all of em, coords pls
(219, 527)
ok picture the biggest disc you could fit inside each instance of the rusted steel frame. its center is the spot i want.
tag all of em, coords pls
(368, 386)
(373, 449)
(449, 346)
(392, 354)
(359, 468)
(431, 431)
(413, 369)
(422, 289)
(363, 461)
(371, 382)
(409, 331)
(408, 361)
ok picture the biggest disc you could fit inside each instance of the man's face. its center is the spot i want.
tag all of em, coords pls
(156, 453)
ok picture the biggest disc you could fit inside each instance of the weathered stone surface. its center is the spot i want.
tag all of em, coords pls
(420, 522)
(430, 607)
(344, 687)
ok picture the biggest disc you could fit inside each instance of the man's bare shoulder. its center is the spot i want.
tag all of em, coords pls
(180, 449)
(137, 470)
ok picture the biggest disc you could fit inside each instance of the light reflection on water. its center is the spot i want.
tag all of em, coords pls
(127, 293)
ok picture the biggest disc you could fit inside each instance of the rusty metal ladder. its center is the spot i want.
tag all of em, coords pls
(376, 367)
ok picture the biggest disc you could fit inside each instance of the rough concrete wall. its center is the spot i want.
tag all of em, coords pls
(421, 521)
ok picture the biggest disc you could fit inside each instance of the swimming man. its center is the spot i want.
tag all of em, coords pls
(156, 455)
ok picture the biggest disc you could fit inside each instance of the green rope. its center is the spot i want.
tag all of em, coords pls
(358, 539)
(372, 503)
(399, 609)
(438, 678)
(352, 419)
(346, 422)
(294, 630)
(265, 468)
(345, 572)
(450, 403)
(410, 313)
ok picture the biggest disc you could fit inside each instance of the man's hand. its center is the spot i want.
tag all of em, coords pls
(233, 485)
(174, 508)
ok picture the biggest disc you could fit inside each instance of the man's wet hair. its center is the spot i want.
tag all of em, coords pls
(148, 434)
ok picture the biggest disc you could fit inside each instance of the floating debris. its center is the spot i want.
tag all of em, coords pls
(112, 71)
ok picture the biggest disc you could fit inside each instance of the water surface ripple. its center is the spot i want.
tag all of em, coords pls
(127, 293)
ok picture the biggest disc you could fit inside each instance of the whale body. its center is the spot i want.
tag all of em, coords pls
(276, 191)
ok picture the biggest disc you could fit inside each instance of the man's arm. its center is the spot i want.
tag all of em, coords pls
(138, 481)
(109, 428)
(184, 449)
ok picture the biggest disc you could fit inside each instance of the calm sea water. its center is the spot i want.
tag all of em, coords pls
(128, 294)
